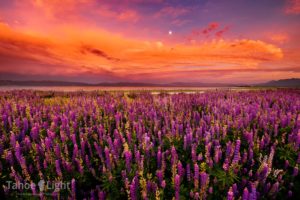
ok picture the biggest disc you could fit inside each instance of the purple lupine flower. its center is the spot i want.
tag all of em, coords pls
(45, 165)
(82, 146)
(73, 188)
(92, 194)
(12, 139)
(253, 195)
(75, 152)
(25, 124)
(48, 143)
(236, 156)
(286, 164)
(148, 188)
(230, 195)
(234, 189)
(184, 142)
(228, 149)
(193, 153)
(128, 158)
(218, 153)
(200, 157)
(33, 188)
(226, 164)
(58, 169)
(264, 172)
(196, 175)
(133, 189)
(107, 158)
(159, 175)
(197, 196)
(275, 130)
(192, 194)
(57, 151)
(27, 142)
(188, 172)
(290, 193)
(159, 137)
(163, 184)
(204, 179)
(79, 166)
(173, 155)
(177, 186)
(245, 157)
(87, 161)
(245, 194)
(250, 154)
(298, 139)
(159, 158)
(274, 188)
(295, 171)
(267, 187)
(210, 190)
(101, 195)
(180, 169)
(137, 156)
(18, 151)
(189, 137)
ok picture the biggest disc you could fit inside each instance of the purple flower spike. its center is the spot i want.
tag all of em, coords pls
(58, 170)
(253, 195)
(128, 157)
(236, 157)
(133, 189)
(107, 158)
(73, 188)
(295, 171)
(177, 186)
(230, 195)
(163, 184)
(196, 175)
(245, 194)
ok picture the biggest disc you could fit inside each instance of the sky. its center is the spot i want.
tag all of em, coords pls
(157, 41)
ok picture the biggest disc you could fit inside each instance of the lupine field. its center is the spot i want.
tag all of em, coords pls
(114, 145)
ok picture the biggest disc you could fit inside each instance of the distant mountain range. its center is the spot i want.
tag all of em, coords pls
(294, 82)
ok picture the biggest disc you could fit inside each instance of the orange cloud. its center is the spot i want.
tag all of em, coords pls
(71, 51)
(58, 8)
(279, 38)
(293, 7)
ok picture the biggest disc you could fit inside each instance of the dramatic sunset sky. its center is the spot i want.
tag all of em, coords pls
(225, 41)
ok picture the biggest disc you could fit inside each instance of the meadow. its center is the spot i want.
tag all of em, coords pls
(137, 145)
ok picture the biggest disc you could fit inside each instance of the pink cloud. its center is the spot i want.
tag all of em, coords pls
(172, 12)
(221, 32)
(293, 7)
(129, 15)
(180, 22)
(211, 27)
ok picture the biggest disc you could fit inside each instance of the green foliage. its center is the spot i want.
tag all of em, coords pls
(287, 152)
(224, 178)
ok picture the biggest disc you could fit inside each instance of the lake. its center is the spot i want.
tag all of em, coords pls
(102, 88)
